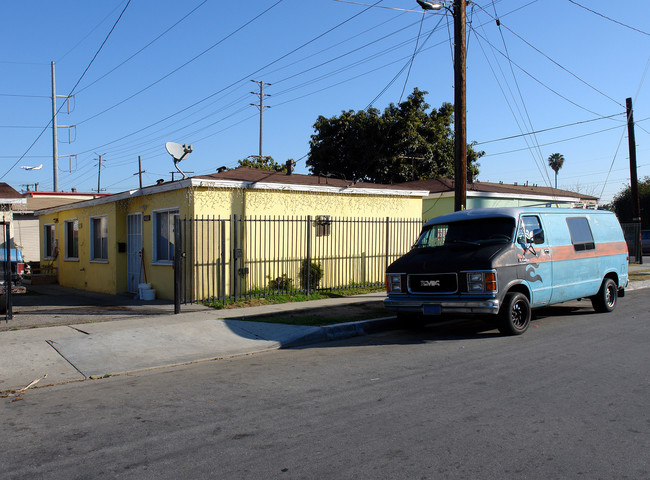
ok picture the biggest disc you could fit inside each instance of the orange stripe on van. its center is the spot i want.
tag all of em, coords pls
(567, 252)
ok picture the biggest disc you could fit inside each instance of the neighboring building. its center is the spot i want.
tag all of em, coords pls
(9, 199)
(110, 244)
(25, 222)
(491, 195)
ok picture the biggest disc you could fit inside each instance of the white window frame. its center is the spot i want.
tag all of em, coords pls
(49, 227)
(170, 232)
(67, 256)
(93, 255)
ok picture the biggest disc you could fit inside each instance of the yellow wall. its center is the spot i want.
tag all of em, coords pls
(83, 273)
(111, 276)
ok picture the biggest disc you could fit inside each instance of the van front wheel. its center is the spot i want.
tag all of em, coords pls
(514, 315)
(605, 300)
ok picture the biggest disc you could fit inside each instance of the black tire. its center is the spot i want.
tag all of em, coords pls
(605, 300)
(514, 315)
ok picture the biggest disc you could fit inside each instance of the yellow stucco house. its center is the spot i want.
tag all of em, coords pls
(111, 244)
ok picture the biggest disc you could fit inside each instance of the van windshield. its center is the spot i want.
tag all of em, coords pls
(482, 231)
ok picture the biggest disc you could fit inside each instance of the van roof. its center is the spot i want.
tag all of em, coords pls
(509, 212)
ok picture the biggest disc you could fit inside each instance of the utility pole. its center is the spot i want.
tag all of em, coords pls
(261, 106)
(634, 186)
(55, 148)
(55, 127)
(460, 107)
(99, 175)
(140, 171)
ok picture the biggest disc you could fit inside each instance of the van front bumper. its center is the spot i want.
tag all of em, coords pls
(430, 306)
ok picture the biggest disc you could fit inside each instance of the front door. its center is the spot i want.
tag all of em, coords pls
(134, 262)
(534, 258)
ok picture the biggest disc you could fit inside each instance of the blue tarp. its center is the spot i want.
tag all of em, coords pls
(16, 255)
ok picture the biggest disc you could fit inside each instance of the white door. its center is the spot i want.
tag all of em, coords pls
(134, 264)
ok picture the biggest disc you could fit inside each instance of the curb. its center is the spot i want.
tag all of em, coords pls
(341, 331)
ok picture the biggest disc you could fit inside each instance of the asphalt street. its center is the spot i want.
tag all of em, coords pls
(566, 400)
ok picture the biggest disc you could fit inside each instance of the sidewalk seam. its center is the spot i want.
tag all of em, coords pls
(51, 344)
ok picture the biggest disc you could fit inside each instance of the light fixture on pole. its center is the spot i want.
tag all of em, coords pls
(460, 108)
(430, 5)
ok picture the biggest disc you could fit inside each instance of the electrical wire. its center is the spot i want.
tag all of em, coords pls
(72, 91)
(610, 19)
(145, 47)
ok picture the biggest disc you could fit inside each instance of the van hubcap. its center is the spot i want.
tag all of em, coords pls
(519, 314)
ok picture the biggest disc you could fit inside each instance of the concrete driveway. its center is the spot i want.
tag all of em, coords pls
(53, 305)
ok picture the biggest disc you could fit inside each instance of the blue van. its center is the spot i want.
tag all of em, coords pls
(501, 262)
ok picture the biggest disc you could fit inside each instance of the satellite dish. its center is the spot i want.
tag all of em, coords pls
(178, 152)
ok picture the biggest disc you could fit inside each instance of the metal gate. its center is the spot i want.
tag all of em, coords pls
(134, 261)
(6, 304)
(220, 259)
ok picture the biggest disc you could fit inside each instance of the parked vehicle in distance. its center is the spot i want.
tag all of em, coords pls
(501, 262)
(645, 242)
(17, 264)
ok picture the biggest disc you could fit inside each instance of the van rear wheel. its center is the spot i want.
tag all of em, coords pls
(605, 300)
(514, 315)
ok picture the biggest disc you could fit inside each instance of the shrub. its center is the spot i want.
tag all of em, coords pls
(315, 275)
(282, 283)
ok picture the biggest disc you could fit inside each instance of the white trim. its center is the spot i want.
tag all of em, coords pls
(520, 196)
(154, 234)
(65, 240)
(93, 258)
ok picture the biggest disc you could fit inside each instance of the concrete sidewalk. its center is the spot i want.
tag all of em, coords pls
(78, 351)
(92, 350)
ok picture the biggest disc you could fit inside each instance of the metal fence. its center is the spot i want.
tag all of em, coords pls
(218, 259)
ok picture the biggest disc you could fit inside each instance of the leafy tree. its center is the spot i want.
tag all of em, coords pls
(555, 161)
(404, 143)
(622, 204)
(264, 163)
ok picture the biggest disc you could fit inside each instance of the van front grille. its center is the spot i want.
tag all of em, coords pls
(433, 283)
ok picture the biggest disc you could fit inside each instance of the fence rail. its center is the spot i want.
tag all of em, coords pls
(218, 259)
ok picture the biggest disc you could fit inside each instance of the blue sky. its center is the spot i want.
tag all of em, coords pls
(182, 71)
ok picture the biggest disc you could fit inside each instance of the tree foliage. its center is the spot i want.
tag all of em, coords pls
(403, 143)
(264, 163)
(556, 161)
(622, 204)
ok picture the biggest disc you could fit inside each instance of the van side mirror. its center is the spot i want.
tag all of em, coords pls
(538, 236)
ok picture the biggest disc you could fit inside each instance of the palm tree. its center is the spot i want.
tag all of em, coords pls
(555, 161)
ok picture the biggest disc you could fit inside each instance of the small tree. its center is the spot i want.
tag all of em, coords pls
(264, 163)
(315, 274)
(555, 161)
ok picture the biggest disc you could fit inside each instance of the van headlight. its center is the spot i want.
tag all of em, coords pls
(482, 282)
(393, 282)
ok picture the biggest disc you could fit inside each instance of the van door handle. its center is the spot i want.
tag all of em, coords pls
(547, 251)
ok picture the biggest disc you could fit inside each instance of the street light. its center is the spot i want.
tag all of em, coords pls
(460, 108)
(430, 5)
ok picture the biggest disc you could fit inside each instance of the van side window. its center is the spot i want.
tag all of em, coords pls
(581, 235)
(527, 227)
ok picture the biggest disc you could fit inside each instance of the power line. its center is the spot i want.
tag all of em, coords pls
(145, 47)
(71, 92)
(552, 128)
(610, 19)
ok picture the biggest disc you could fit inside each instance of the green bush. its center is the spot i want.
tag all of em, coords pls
(281, 283)
(315, 275)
